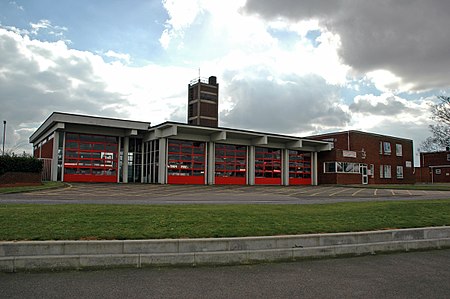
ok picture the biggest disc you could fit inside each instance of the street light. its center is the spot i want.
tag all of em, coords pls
(4, 134)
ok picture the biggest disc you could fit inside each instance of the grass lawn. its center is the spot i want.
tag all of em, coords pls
(75, 222)
(45, 185)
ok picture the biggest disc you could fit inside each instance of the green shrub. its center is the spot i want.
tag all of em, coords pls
(20, 164)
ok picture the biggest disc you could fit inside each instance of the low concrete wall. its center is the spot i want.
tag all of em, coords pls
(56, 255)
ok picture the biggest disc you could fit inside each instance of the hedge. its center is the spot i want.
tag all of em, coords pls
(20, 164)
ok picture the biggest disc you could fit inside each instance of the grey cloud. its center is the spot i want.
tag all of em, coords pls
(411, 38)
(28, 96)
(392, 107)
(304, 104)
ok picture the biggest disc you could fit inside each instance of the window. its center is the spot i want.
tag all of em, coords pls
(387, 148)
(342, 167)
(372, 170)
(448, 157)
(399, 172)
(381, 171)
(381, 147)
(387, 171)
(329, 167)
(438, 171)
(398, 150)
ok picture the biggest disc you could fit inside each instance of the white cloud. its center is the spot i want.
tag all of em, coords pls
(181, 15)
(46, 25)
(120, 56)
(19, 7)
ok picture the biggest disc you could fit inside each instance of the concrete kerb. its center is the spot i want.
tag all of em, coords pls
(58, 255)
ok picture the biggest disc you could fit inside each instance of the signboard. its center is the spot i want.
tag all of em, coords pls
(349, 154)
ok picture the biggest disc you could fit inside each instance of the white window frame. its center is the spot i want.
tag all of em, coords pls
(437, 171)
(372, 170)
(398, 150)
(399, 172)
(387, 171)
(343, 167)
(381, 172)
(448, 157)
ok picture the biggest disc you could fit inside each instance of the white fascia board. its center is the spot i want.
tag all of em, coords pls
(43, 134)
(297, 144)
(260, 140)
(169, 131)
(219, 136)
(65, 118)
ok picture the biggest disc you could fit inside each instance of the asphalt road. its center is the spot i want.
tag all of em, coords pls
(192, 194)
(402, 275)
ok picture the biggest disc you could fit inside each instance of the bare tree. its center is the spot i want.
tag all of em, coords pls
(440, 139)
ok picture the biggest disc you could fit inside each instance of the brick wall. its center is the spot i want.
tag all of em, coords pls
(434, 159)
(13, 179)
(364, 148)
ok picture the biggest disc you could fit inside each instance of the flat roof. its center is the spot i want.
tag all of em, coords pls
(357, 132)
(61, 117)
(176, 129)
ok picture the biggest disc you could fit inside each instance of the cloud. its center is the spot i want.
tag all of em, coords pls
(289, 105)
(37, 78)
(120, 56)
(181, 15)
(19, 7)
(48, 28)
(409, 39)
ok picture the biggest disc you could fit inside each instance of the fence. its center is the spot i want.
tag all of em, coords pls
(47, 169)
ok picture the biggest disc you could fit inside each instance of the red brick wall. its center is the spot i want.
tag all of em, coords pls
(367, 148)
(11, 179)
(423, 175)
(47, 149)
(44, 150)
(434, 159)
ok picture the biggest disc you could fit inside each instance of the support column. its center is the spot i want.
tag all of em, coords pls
(285, 167)
(162, 169)
(251, 165)
(210, 163)
(314, 168)
(126, 145)
(54, 170)
(143, 164)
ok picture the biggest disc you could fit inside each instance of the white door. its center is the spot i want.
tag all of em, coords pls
(365, 176)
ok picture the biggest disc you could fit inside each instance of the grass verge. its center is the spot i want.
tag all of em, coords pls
(75, 222)
(44, 186)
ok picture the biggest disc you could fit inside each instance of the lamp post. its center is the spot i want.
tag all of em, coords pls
(4, 134)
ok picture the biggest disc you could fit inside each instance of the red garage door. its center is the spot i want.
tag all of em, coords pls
(267, 166)
(299, 168)
(231, 164)
(186, 162)
(90, 158)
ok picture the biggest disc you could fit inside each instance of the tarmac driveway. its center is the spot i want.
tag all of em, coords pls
(217, 194)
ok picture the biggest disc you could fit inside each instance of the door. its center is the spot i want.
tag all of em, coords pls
(365, 176)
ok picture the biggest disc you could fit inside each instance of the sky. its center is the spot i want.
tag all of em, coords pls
(294, 67)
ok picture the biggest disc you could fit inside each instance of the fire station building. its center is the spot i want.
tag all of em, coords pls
(82, 148)
(95, 149)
